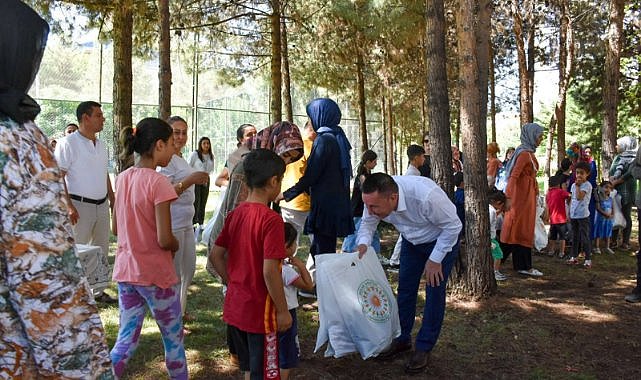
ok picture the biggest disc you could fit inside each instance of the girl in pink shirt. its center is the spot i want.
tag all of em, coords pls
(144, 266)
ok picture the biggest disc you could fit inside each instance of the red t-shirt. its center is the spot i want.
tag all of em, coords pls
(252, 233)
(555, 200)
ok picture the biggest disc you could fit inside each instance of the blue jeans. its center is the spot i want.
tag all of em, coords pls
(413, 259)
(349, 243)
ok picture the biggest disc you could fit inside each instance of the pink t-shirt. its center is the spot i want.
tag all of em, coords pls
(555, 199)
(139, 258)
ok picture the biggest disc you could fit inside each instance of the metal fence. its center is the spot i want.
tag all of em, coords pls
(217, 123)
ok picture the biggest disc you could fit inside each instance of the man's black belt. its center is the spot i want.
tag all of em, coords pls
(87, 200)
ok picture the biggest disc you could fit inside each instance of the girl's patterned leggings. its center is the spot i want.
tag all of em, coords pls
(165, 308)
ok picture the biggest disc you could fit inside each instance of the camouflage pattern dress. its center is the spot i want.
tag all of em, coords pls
(49, 324)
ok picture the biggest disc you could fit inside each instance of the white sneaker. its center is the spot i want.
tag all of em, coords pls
(498, 276)
(384, 261)
(609, 251)
(597, 250)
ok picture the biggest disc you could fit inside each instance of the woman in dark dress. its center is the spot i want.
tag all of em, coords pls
(327, 179)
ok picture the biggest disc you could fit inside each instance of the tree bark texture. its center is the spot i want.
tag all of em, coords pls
(391, 144)
(525, 103)
(566, 60)
(483, 28)
(384, 128)
(360, 83)
(164, 62)
(611, 85)
(530, 62)
(287, 87)
(477, 275)
(492, 86)
(276, 62)
(122, 87)
(438, 108)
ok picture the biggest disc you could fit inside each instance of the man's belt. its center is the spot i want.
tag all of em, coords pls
(88, 200)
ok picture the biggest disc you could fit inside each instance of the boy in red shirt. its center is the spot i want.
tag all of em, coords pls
(556, 200)
(248, 255)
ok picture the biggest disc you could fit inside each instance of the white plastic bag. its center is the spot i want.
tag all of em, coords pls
(540, 235)
(357, 308)
(619, 220)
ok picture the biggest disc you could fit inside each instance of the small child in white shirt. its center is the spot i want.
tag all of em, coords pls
(497, 201)
(293, 279)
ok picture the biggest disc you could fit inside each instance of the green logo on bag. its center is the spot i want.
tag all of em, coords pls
(374, 301)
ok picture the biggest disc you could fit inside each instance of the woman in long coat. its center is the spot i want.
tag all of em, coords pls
(327, 179)
(522, 191)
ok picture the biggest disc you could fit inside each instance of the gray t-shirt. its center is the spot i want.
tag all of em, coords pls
(579, 208)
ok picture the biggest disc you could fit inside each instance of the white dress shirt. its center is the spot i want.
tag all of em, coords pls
(424, 214)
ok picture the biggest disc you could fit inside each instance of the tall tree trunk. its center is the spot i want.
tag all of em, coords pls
(566, 59)
(525, 103)
(391, 151)
(276, 62)
(483, 29)
(530, 63)
(287, 90)
(384, 129)
(360, 83)
(477, 278)
(122, 36)
(492, 80)
(164, 62)
(611, 85)
(438, 107)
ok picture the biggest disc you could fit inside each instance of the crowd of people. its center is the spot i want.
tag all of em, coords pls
(58, 195)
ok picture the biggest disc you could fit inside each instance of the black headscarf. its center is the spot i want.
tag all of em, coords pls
(23, 36)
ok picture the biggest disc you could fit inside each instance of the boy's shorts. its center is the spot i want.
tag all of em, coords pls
(558, 231)
(288, 349)
(250, 348)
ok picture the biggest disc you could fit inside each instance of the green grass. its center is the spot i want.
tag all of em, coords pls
(569, 324)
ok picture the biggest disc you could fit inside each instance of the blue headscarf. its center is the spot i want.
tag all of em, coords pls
(325, 117)
(529, 134)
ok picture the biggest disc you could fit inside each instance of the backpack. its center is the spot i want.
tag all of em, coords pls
(501, 178)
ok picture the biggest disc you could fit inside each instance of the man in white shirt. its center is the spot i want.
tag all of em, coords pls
(426, 218)
(83, 160)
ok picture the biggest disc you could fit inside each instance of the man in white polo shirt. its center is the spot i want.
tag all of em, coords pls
(83, 161)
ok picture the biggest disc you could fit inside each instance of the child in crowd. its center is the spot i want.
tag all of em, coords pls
(556, 200)
(144, 267)
(293, 279)
(247, 255)
(565, 172)
(604, 217)
(580, 214)
(459, 199)
(416, 158)
(497, 201)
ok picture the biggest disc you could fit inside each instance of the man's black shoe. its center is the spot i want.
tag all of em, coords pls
(418, 362)
(105, 298)
(633, 297)
(393, 350)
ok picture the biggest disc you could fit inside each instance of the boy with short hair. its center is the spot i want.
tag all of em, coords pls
(556, 200)
(416, 158)
(580, 214)
(247, 255)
